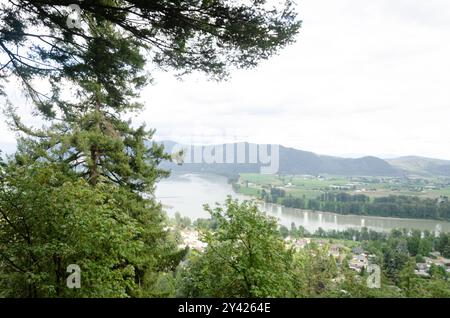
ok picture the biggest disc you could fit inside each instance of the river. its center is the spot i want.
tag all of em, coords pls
(187, 193)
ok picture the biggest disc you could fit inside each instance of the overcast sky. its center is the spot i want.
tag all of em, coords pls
(364, 78)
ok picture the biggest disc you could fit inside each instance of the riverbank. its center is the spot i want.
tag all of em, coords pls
(188, 193)
(363, 196)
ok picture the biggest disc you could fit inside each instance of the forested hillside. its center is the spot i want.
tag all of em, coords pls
(289, 161)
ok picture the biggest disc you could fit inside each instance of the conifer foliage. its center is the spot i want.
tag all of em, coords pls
(80, 189)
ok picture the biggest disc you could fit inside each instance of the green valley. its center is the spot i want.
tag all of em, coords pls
(378, 196)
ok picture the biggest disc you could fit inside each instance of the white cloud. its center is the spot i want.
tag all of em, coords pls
(363, 78)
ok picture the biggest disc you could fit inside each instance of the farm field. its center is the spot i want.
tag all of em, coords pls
(313, 186)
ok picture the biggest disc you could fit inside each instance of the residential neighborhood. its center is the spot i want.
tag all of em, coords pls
(191, 238)
(423, 269)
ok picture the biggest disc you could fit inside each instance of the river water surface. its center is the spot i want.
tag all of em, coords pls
(188, 193)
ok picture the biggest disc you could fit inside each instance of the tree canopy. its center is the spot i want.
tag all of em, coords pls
(247, 248)
(80, 189)
(205, 35)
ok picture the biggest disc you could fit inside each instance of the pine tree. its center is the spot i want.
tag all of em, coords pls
(185, 35)
(90, 135)
(96, 73)
(89, 141)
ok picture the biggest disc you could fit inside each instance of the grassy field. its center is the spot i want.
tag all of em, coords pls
(249, 191)
(312, 186)
(306, 193)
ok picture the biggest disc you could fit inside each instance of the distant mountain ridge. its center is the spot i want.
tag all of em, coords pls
(291, 161)
(294, 161)
(421, 166)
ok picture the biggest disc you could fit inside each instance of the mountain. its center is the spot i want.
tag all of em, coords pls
(290, 161)
(293, 161)
(421, 166)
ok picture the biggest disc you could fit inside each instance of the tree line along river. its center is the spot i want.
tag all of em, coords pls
(187, 193)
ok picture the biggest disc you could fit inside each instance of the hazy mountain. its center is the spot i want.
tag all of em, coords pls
(291, 161)
(301, 162)
(421, 166)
